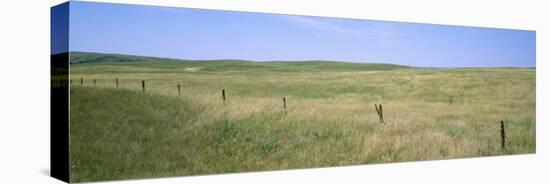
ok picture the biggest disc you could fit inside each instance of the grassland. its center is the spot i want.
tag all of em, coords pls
(122, 133)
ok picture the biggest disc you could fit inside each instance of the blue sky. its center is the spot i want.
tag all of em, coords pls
(209, 34)
(59, 28)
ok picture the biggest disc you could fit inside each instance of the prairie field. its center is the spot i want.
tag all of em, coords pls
(330, 120)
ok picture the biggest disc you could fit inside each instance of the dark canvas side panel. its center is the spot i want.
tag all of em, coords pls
(59, 105)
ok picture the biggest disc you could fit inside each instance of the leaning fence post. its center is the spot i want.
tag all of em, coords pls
(377, 111)
(223, 95)
(502, 135)
(116, 81)
(284, 103)
(143, 85)
(179, 89)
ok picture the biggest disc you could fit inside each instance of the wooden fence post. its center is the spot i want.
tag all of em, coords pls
(143, 85)
(116, 81)
(81, 81)
(380, 112)
(223, 95)
(284, 103)
(179, 89)
(94, 82)
(377, 111)
(502, 135)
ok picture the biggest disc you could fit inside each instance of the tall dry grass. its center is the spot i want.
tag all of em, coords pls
(429, 114)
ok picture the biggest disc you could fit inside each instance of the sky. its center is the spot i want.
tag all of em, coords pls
(59, 28)
(199, 34)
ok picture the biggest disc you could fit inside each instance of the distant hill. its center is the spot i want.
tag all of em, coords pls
(88, 57)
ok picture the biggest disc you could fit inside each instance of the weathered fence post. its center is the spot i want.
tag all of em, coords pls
(81, 81)
(284, 103)
(223, 95)
(377, 111)
(143, 85)
(179, 89)
(502, 135)
(94, 82)
(116, 81)
(380, 112)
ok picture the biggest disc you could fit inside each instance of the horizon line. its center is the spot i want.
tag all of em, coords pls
(311, 60)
